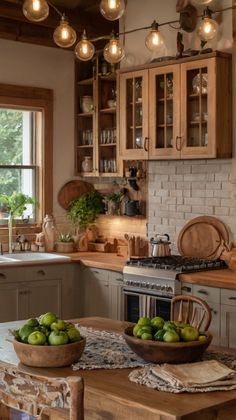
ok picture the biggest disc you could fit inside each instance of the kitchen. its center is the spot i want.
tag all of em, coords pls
(178, 190)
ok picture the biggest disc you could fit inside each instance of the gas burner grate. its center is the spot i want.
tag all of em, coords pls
(177, 263)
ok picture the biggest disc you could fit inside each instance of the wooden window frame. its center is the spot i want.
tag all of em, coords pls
(38, 99)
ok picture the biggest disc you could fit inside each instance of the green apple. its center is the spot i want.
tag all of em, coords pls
(171, 336)
(33, 322)
(159, 335)
(146, 336)
(189, 334)
(37, 338)
(73, 334)
(144, 320)
(47, 319)
(145, 329)
(59, 324)
(56, 338)
(24, 332)
(136, 329)
(157, 322)
(169, 325)
(44, 329)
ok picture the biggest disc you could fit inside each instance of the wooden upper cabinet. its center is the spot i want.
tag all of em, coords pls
(186, 110)
(96, 146)
(134, 115)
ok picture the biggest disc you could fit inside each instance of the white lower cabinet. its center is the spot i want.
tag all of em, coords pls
(228, 318)
(29, 291)
(102, 293)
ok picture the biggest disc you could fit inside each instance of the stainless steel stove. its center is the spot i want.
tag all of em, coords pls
(150, 283)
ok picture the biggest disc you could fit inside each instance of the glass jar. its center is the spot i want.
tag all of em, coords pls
(87, 164)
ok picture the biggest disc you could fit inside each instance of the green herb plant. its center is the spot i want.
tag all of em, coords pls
(115, 197)
(85, 209)
(16, 203)
(65, 238)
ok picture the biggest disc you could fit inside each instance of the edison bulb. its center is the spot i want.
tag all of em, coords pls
(207, 29)
(113, 52)
(112, 9)
(64, 35)
(84, 50)
(154, 40)
(35, 10)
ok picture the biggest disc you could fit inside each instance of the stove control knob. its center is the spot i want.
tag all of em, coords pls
(158, 286)
(147, 285)
(143, 284)
(163, 287)
(153, 286)
(170, 289)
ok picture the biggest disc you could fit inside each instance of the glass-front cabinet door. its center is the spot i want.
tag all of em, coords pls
(198, 109)
(164, 112)
(134, 115)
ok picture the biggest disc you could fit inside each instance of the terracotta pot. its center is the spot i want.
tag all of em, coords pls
(65, 247)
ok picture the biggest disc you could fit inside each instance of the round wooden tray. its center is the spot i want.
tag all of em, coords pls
(72, 190)
(203, 237)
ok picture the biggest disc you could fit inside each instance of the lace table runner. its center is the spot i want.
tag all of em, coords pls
(106, 350)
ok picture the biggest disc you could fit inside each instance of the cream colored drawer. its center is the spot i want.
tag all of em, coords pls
(209, 294)
(228, 297)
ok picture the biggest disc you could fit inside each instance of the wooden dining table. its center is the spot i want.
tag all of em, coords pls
(110, 395)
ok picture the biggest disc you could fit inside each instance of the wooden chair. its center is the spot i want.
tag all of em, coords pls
(192, 310)
(43, 397)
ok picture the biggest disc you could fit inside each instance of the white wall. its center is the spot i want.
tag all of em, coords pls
(52, 68)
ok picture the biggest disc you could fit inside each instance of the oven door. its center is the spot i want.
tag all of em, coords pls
(138, 304)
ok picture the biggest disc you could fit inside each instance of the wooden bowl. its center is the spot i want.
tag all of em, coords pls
(49, 356)
(162, 352)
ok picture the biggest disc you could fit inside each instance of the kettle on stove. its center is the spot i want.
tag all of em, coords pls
(160, 245)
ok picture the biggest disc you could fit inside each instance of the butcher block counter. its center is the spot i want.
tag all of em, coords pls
(109, 395)
(224, 278)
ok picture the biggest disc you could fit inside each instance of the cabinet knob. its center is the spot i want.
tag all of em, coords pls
(2, 275)
(203, 292)
(186, 289)
(232, 298)
(41, 272)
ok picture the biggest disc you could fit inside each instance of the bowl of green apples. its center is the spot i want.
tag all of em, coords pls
(47, 341)
(159, 341)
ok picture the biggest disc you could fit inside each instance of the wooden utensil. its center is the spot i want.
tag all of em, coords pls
(72, 190)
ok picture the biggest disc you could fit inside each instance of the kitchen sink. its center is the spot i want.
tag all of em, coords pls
(32, 257)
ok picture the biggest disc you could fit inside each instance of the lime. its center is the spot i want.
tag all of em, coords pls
(24, 332)
(33, 322)
(202, 337)
(157, 323)
(135, 329)
(169, 325)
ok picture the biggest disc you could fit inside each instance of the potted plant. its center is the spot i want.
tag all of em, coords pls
(84, 210)
(15, 205)
(65, 243)
(113, 202)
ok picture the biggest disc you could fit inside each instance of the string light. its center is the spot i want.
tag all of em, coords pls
(113, 51)
(208, 27)
(112, 9)
(36, 10)
(154, 40)
(64, 35)
(84, 50)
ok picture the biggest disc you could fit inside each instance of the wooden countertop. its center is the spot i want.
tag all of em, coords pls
(224, 278)
(110, 395)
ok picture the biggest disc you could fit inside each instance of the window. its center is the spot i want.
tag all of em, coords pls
(26, 146)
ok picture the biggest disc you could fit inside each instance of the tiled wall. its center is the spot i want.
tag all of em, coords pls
(182, 190)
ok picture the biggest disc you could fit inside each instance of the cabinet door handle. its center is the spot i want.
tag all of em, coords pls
(2, 275)
(120, 280)
(146, 144)
(232, 298)
(41, 272)
(203, 292)
(178, 143)
(186, 288)
(213, 311)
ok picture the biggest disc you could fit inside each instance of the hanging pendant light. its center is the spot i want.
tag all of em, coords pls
(84, 50)
(113, 52)
(35, 10)
(112, 9)
(208, 27)
(64, 35)
(154, 40)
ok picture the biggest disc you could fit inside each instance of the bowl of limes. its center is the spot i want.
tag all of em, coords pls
(159, 341)
(47, 341)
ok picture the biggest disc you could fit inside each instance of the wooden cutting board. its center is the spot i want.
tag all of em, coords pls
(203, 237)
(72, 190)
